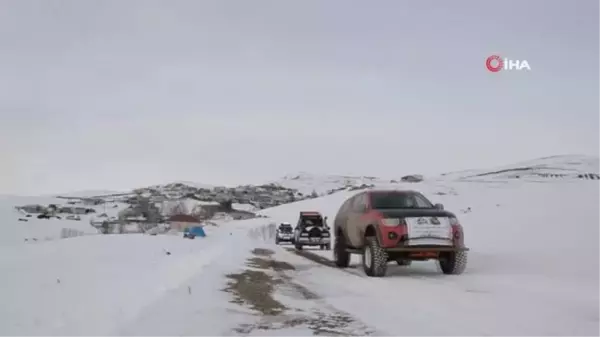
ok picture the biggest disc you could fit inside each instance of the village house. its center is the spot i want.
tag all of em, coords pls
(182, 221)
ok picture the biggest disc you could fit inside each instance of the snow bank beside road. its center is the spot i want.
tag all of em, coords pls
(93, 284)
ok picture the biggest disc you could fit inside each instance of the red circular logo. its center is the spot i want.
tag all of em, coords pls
(489, 63)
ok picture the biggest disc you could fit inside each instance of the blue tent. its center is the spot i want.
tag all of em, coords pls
(192, 232)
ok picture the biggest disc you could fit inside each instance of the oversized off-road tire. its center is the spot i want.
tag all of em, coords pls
(328, 246)
(340, 256)
(453, 263)
(276, 240)
(298, 246)
(402, 262)
(374, 258)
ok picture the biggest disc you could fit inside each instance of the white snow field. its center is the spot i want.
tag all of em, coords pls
(97, 285)
(533, 270)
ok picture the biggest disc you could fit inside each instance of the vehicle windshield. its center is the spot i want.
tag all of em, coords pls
(285, 229)
(388, 200)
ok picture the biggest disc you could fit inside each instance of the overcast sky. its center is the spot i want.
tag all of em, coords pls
(121, 94)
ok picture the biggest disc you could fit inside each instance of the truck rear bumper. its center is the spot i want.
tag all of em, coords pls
(309, 242)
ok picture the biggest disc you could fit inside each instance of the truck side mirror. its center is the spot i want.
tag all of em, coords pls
(439, 206)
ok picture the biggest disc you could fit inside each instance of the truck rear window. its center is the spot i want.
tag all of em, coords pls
(312, 220)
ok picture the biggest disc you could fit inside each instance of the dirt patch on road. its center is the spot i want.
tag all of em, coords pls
(262, 263)
(306, 293)
(256, 287)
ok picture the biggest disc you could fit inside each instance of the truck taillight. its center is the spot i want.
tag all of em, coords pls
(457, 231)
(456, 228)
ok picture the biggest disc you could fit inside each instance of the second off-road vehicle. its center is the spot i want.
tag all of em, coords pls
(284, 233)
(397, 225)
(312, 230)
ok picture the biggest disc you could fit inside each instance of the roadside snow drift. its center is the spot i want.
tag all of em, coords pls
(98, 284)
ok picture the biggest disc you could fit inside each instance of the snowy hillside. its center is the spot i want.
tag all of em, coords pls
(533, 263)
(542, 169)
(554, 167)
(176, 184)
(19, 226)
(307, 183)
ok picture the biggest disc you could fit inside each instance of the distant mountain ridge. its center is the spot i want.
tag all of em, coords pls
(302, 185)
(551, 167)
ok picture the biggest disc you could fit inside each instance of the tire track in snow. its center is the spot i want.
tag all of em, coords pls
(352, 270)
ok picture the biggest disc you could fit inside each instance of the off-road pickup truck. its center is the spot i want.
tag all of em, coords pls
(397, 225)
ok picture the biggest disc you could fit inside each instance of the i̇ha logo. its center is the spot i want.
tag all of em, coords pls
(496, 63)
